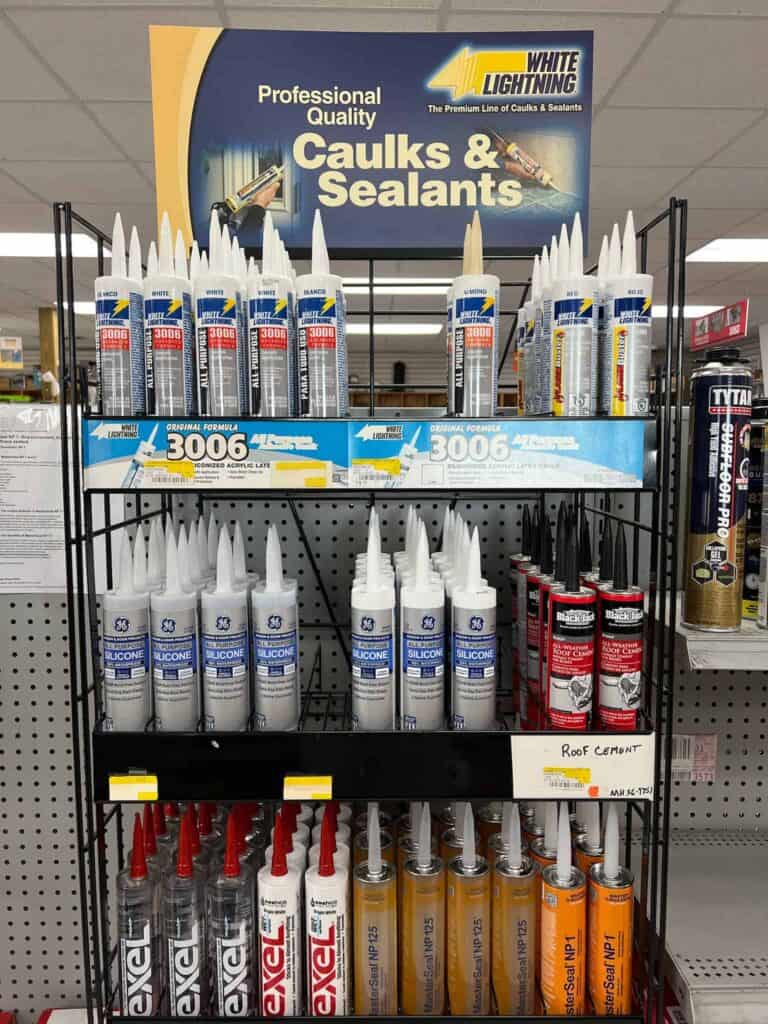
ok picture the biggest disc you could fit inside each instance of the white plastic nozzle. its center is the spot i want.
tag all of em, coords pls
(213, 540)
(152, 268)
(125, 579)
(466, 249)
(193, 556)
(614, 253)
(224, 569)
(414, 813)
(237, 268)
(274, 562)
(512, 837)
(172, 583)
(202, 546)
(156, 551)
(374, 840)
(476, 266)
(458, 820)
(563, 255)
(546, 270)
(238, 554)
(118, 248)
(590, 816)
(203, 263)
(134, 256)
(214, 240)
(180, 256)
(424, 845)
(182, 552)
(602, 262)
(422, 559)
(474, 576)
(320, 263)
(550, 826)
(170, 529)
(577, 248)
(629, 247)
(447, 526)
(372, 560)
(468, 852)
(554, 263)
(536, 279)
(165, 247)
(194, 262)
(140, 563)
(563, 868)
(538, 812)
(611, 843)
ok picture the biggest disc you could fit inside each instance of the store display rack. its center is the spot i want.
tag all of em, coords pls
(446, 764)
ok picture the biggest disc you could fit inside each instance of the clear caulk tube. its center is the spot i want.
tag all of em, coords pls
(137, 936)
(184, 931)
(422, 647)
(375, 933)
(373, 670)
(473, 608)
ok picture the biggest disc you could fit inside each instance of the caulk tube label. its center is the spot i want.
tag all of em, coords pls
(175, 671)
(473, 702)
(321, 327)
(225, 662)
(270, 349)
(544, 404)
(280, 942)
(168, 346)
(275, 658)
(475, 340)
(422, 664)
(125, 651)
(373, 682)
(574, 347)
(120, 373)
(328, 943)
(628, 347)
(218, 347)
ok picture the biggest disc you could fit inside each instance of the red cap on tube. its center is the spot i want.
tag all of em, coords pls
(279, 863)
(150, 842)
(184, 858)
(204, 823)
(138, 857)
(231, 859)
(325, 866)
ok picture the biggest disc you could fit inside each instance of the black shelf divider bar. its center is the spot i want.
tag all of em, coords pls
(466, 765)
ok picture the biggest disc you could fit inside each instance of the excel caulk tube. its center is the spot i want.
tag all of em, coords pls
(473, 609)
(295, 852)
(217, 329)
(184, 932)
(328, 931)
(422, 928)
(374, 890)
(120, 331)
(274, 612)
(574, 331)
(514, 911)
(125, 651)
(175, 647)
(168, 339)
(280, 933)
(231, 933)
(224, 629)
(610, 928)
(271, 352)
(422, 646)
(468, 925)
(373, 669)
(563, 928)
(137, 934)
(321, 323)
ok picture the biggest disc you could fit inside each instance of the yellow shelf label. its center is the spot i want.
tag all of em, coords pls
(132, 787)
(308, 787)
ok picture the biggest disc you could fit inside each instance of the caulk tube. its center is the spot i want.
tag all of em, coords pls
(240, 270)
(538, 353)
(588, 848)
(217, 324)
(321, 323)
(168, 339)
(328, 931)
(175, 644)
(422, 928)
(226, 697)
(514, 908)
(137, 938)
(611, 900)
(630, 334)
(280, 933)
(374, 891)
(529, 350)
(574, 331)
(548, 271)
(475, 334)
(185, 935)
(422, 648)
(120, 331)
(468, 924)
(270, 345)
(156, 560)
(449, 322)
(275, 616)
(373, 670)
(608, 267)
(473, 609)
(563, 927)
(125, 651)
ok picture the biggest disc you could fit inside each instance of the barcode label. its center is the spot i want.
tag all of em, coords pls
(694, 757)
(682, 748)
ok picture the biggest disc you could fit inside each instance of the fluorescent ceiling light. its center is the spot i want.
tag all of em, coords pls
(392, 329)
(732, 250)
(397, 289)
(42, 245)
(660, 312)
(83, 308)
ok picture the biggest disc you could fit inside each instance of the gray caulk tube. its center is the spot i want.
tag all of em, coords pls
(422, 646)
(125, 651)
(274, 610)
(373, 648)
(226, 698)
(175, 646)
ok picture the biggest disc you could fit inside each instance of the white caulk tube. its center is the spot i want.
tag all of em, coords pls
(280, 933)
(240, 270)
(168, 340)
(275, 617)
(208, 572)
(322, 339)
(422, 646)
(244, 580)
(271, 353)
(125, 651)
(226, 700)
(217, 328)
(608, 275)
(574, 333)
(156, 565)
(373, 669)
(529, 342)
(473, 606)
(406, 458)
(175, 645)
(343, 833)
(120, 331)
(140, 563)
(328, 930)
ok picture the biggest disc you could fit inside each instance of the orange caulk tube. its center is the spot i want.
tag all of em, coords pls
(422, 928)
(588, 850)
(452, 839)
(543, 853)
(468, 922)
(488, 824)
(360, 847)
(375, 929)
(563, 930)
(610, 928)
(498, 844)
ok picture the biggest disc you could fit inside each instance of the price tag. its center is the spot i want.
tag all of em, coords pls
(308, 787)
(576, 766)
(132, 787)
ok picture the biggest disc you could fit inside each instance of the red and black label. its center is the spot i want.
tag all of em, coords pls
(570, 659)
(620, 659)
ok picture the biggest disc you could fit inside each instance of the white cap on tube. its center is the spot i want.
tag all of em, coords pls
(238, 554)
(165, 247)
(602, 261)
(273, 562)
(536, 280)
(563, 255)
(202, 547)
(152, 266)
(193, 555)
(614, 253)
(182, 548)
(474, 578)
(458, 819)
(468, 853)
(424, 845)
(125, 578)
(563, 868)
(414, 813)
(577, 248)
(118, 248)
(224, 571)
(374, 840)
(512, 837)
(553, 260)
(194, 262)
(134, 256)
(320, 263)
(550, 826)
(546, 270)
(140, 562)
(213, 540)
(170, 527)
(611, 843)
(466, 248)
(180, 256)
(629, 247)
(156, 570)
(591, 819)
(172, 582)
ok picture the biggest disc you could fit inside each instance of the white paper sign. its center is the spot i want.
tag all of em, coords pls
(580, 766)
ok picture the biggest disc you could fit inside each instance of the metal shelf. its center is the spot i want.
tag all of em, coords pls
(717, 926)
(742, 651)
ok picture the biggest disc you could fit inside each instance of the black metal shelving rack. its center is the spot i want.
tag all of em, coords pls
(451, 765)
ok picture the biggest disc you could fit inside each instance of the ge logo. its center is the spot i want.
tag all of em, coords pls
(274, 621)
(168, 625)
(223, 622)
(428, 622)
(476, 623)
(121, 625)
(367, 623)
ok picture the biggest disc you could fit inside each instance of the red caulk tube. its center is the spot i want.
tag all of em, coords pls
(571, 647)
(620, 620)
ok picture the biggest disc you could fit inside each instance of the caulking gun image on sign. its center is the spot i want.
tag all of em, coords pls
(394, 455)
(245, 203)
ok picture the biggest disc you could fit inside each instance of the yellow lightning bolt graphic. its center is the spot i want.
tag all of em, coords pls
(647, 304)
(586, 304)
(488, 304)
(120, 305)
(229, 304)
(280, 305)
(328, 304)
(173, 305)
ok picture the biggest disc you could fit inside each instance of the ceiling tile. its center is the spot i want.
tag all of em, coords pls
(67, 133)
(632, 186)
(103, 54)
(704, 222)
(17, 302)
(347, 19)
(235, 6)
(709, 186)
(616, 38)
(751, 150)
(27, 216)
(639, 137)
(700, 62)
(754, 227)
(745, 276)
(22, 75)
(596, 7)
(131, 123)
(721, 7)
(76, 181)
(10, 191)
(143, 215)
